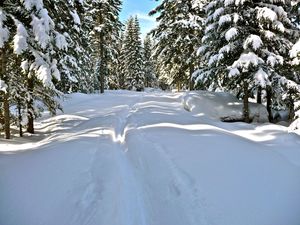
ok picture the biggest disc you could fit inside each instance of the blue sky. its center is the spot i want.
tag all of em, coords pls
(141, 8)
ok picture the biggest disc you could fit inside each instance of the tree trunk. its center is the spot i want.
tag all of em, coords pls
(30, 108)
(259, 93)
(101, 57)
(6, 112)
(6, 115)
(291, 107)
(191, 83)
(178, 86)
(246, 103)
(20, 119)
(1, 111)
(269, 103)
(102, 84)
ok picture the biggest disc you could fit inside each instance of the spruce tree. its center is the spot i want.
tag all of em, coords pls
(245, 45)
(132, 56)
(28, 37)
(107, 26)
(150, 76)
(177, 36)
(293, 84)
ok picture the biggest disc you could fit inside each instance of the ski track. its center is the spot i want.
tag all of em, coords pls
(192, 207)
(132, 196)
(131, 200)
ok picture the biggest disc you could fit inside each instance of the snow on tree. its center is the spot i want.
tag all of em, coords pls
(106, 31)
(115, 77)
(176, 37)
(132, 56)
(293, 83)
(28, 37)
(73, 26)
(149, 64)
(244, 45)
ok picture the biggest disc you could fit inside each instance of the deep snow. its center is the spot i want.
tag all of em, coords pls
(129, 158)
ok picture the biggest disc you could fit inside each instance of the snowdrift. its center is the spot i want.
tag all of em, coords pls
(217, 105)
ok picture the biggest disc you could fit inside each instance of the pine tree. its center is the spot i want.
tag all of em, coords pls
(28, 36)
(115, 78)
(105, 35)
(177, 35)
(293, 84)
(245, 45)
(132, 56)
(150, 76)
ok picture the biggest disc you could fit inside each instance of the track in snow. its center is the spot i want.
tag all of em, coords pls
(140, 159)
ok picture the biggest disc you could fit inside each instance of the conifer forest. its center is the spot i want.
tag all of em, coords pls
(195, 121)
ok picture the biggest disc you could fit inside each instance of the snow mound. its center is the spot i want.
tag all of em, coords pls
(295, 125)
(217, 105)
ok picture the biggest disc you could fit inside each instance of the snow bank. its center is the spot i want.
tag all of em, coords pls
(218, 104)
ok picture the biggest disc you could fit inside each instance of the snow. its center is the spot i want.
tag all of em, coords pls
(30, 4)
(279, 26)
(217, 105)
(54, 70)
(4, 32)
(76, 17)
(295, 125)
(273, 60)
(20, 39)
(269, 34)
(3, 86)
(228, 2)
(213, 59)
(261, 78)
(240, 2)
(267, 14)
(225, 49)
(61, 41)
(254, 41)
(24, 65)
(246, 60)
(224, 19)
(210, 27)
(236, 17)
(127, 158)
(218, 12)
(231, 33)
(41, 27)
(295, 50)
(234, 72)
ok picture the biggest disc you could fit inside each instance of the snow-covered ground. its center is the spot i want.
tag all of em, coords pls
(156, 158)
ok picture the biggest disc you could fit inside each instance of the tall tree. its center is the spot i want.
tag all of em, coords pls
(177, 35)
(28, 32)
(71, 21)
(149, 64)
(105, 35)
(242, 53)
(132, 56)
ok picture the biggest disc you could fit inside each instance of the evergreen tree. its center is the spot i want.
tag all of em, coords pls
(72, 21)
(132, 56)
(106, 31)
(245, 45)
(114, 66)
(293, 86)
(177, 35)
(150, 76)
(28, 36)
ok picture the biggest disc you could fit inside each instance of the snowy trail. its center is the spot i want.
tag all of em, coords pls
(128, 158)
(129, 200)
